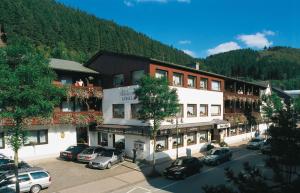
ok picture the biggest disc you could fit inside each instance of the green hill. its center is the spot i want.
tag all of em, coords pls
(280, 65)
(67, 33)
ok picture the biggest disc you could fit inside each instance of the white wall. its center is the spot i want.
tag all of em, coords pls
(55, 143)
(125, 95)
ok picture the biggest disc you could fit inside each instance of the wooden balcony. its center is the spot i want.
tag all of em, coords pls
(75, 118)
(82, 91)
(236, 118)
(243, 97)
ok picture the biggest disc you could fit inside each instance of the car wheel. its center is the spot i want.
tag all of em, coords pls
(108, 165)
(35, 189)
(218, 162)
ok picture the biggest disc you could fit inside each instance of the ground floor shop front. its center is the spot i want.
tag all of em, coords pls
(188, 140)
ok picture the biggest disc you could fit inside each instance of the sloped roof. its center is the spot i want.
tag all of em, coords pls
(67, 65)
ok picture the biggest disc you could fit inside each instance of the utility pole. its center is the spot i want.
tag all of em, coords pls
(177, 136)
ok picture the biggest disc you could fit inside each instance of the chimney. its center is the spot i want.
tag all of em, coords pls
(197, 66)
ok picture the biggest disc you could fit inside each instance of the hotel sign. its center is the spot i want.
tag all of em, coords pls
(127, 94)
(223, 126)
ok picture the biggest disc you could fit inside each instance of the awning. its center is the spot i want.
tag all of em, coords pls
(220, 124)
(124, 129)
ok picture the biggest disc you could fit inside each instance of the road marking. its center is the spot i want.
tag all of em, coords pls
(138, 187)
(206, 171)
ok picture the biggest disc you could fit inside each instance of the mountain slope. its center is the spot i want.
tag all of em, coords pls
(280, 65)
(72, 34)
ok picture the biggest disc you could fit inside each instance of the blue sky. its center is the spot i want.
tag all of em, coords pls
(204, 27)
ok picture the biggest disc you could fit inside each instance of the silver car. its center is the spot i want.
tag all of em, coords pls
(30, 179)
(89, 154)
(255, 143)
(107, 159)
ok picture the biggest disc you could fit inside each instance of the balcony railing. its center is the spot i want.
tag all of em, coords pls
(82, 91)
(235, 118)
(235, 96)
(76, 118)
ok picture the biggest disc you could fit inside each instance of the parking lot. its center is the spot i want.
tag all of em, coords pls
(73, 177)
(66, 174)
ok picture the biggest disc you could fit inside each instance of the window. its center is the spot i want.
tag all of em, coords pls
(180, 112)
(177, 79)
(136, 76)
(23, 178)
(38, 175)
(66, 80)
(203, 110)
(191, 110)
(174, 141)
(161, 74)
(192, 138)
(118, 111)
(118, 80)
(216, 85)
(161, 143)
(2, 143)
(191, 82)
(203, 136)
(215, 110)
(37, 137)
(203, 83)
(135, 111)
(67, 106)
(102, 139)
(78, 106)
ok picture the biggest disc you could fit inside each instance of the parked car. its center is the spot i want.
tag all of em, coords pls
(108, 158)
(31, 180)
(89, 154)
(71, 152)
(266, 147)
(217, 156)
(255, 143)
(7, 165)
(183, 167)
(2, 156)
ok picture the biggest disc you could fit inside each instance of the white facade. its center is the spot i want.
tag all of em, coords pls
(125, 95)
(59, 138)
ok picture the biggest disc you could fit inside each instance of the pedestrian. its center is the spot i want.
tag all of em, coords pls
(134, 155)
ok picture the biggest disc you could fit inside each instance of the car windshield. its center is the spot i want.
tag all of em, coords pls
(70, 148)
(178, 162)
(4, 161)
(88, 151)
(107, 153)
(214, 152)
(255, 140)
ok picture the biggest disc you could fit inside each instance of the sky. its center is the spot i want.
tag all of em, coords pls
(204, 27)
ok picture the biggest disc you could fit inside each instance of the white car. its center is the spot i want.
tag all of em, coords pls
(30, 179)
(255, 143)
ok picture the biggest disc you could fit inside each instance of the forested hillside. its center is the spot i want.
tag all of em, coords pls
(72, 34)
(66, 33)
(281, 65)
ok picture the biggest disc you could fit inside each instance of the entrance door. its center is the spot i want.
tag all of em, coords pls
(119, 141)
(82, 135)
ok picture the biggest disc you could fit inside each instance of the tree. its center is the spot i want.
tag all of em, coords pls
(297, 105)
(26, 91)
(158, 101)
(271, 104)
(284, 160)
